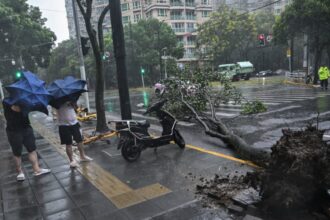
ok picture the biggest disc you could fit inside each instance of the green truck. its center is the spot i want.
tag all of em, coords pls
(237, 71)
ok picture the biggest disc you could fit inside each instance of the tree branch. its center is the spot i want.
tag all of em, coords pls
(81, 8)
(89, 9)
(100, 27)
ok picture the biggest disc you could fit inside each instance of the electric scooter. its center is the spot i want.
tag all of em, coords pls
(134, 135)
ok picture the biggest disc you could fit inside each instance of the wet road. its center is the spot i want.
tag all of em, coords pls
(161, 184)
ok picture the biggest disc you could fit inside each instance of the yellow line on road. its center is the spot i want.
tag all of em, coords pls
(222, 155)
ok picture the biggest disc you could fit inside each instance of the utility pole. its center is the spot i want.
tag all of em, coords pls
(119, 50)
(305, 60)
(80, 55)
(1, 91)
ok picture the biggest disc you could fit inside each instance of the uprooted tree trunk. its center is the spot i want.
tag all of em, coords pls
(214, 127)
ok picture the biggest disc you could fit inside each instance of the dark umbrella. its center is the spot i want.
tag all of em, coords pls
(64, 90)
(29, 93)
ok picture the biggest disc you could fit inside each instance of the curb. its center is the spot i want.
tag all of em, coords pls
(300, 84)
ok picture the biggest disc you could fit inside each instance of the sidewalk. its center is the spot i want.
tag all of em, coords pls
(62, 194)
(155, 187)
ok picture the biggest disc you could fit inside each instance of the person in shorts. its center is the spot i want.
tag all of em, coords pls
(19, 133)
(69, 128)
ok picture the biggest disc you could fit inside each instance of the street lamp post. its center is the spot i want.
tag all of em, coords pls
(1, 91)
(80, 55)
(165, 58)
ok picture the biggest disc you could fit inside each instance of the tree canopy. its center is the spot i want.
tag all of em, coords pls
(23, 34)
(310, 17)
(145, 44)
(225, 31)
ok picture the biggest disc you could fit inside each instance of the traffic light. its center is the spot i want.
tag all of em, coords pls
(142, 71)
(84, 45)
(106, 55)
(18, 74)
(261, 39)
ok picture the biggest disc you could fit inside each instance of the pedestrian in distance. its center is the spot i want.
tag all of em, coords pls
(324, 74)
(69, 128)
(19, 133)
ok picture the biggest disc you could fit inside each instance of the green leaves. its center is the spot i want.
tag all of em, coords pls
(22, 33)
(225, 31)
(253, 107)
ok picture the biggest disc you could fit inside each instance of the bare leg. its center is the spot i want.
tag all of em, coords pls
(18, 162)
(69, 152)
(33, 157)
(81, 150)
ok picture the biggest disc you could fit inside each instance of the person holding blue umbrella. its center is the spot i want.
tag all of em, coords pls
(28, 94)
(65, 94)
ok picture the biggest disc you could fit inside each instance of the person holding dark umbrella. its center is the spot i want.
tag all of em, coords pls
(23, 99)
(65, 95)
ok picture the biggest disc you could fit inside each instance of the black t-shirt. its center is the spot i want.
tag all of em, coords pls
(15, 120)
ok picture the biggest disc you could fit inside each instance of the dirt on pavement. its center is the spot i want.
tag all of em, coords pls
(294, 182)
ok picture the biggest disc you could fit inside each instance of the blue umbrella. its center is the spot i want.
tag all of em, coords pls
(29, 93)
(64, 90)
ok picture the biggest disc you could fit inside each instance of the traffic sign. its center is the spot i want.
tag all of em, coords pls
(288, 52)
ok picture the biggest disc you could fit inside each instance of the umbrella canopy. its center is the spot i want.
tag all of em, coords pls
(64, 90)
(29, 93)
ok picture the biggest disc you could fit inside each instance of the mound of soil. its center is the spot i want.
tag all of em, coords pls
(296, 178)
(298, 171)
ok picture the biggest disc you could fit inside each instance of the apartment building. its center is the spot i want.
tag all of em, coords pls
(98, 6)
(182, 16)
(280, 6)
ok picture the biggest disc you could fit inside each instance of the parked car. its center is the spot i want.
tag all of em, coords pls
(280, 72)
(264, 73)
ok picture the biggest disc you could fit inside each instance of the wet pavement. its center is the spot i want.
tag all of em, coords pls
(161, 184)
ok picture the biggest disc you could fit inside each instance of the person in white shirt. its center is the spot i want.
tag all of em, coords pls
(69, 128)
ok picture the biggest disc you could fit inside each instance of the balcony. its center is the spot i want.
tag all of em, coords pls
(178, 30)
(190, 4)
(191, 30)
(176, 4)
(177, 17)
(190, 17)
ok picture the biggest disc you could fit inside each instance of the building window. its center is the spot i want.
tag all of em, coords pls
(191, 40)
(161, 1)
(125, 7)
(205, 2)
(126, 19)
(190, 15)
(190, 3)
(148, 14)
(190, 27)
(205, 14)
(136, 5)
(137, 17)
(178, 27)
(161, 12)
(179, 40)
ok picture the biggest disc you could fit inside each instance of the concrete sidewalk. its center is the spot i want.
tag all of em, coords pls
(62, 194)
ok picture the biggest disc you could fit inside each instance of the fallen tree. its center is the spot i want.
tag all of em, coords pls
(191, 95)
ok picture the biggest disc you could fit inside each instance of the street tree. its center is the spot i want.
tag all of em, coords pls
(224, 32)
(147, 41)
(23, 36)
(190, 94)
(310, 17)
(97, 43)
(63, 61)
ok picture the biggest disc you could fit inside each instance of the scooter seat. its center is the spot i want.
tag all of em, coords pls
(143, 123)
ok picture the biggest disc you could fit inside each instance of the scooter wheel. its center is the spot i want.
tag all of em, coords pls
(129, 151)
(178, 139)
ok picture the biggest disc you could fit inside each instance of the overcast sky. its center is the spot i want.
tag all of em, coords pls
(54, 11)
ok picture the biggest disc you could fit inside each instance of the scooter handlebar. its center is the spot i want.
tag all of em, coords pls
(156, 106)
